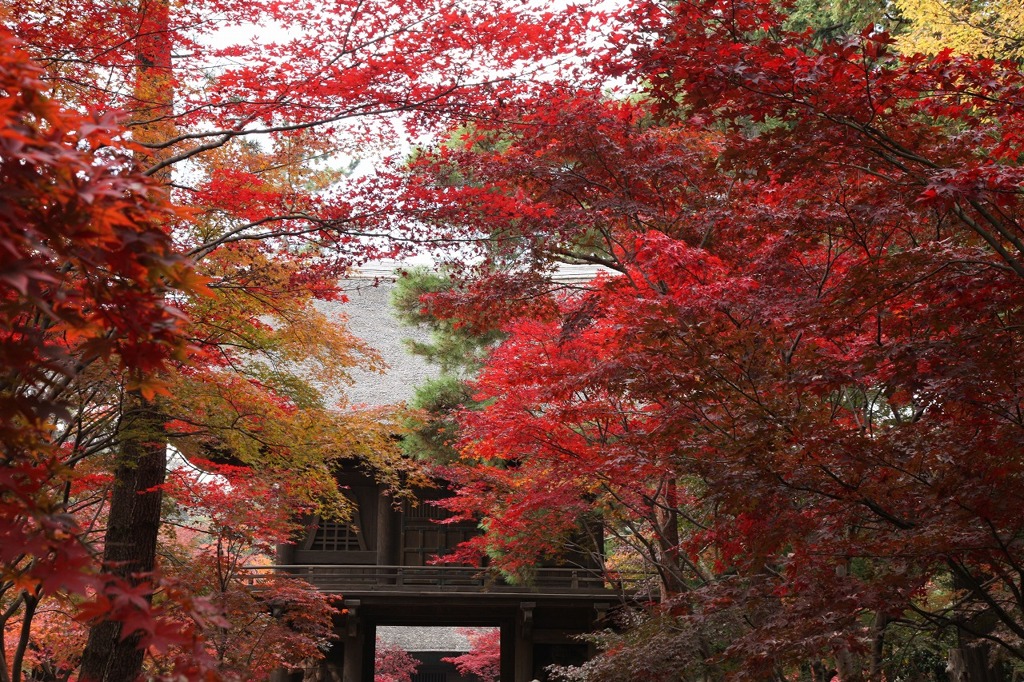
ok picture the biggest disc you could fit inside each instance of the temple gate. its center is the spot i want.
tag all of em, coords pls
(380, 564)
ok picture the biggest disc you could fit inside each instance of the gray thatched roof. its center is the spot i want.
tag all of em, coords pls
(368, 314)
(429, 638)
(371, 317)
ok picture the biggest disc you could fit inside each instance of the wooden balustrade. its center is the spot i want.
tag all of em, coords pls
(347, 579)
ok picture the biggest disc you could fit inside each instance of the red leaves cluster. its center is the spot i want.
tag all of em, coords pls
(315, 64)
(86, 279)
(85, 269)
(172, 629)
(483, 660)
(392, 663)
(256, 621)
(798, 401)
(86, 272)
(86, 258)
(210, 493)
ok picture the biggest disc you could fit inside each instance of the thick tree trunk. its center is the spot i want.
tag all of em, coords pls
(973, 659)
(973, 663)
(849, 666)
(130, 543)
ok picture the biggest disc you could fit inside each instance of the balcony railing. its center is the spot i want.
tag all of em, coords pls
(349, 579)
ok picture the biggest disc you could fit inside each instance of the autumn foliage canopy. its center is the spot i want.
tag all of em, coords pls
(163, 257)
(792, 399)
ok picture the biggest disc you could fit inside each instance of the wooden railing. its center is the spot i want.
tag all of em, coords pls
(349, 579)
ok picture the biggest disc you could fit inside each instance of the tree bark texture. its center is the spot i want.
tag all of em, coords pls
(973, 659)
(129, 549)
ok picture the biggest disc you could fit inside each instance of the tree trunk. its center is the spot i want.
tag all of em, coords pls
(973, 659)
(877, 669)
(129, 546)
(129, 549)
(666, 519)
(849, 665)
(972, 662)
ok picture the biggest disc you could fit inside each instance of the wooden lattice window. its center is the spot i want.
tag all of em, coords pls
(334, 536)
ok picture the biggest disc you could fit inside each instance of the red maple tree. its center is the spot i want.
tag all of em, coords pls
(392, 663)
(483, 660)
(796, 397)
(266, 620)
(254, 137)
(87, 269)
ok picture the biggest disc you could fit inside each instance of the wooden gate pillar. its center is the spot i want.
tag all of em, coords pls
(508, 651)
(524, 642)
(353, 642)
(387, 522)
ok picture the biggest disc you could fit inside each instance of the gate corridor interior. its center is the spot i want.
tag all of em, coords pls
(532, 637)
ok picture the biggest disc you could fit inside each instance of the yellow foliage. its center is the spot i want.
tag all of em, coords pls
(265, 386)
(985, 28)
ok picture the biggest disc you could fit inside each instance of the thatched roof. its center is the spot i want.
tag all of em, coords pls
(420, 638)
(371, 317)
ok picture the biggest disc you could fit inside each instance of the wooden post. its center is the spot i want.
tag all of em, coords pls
(524, 642)
(353, 644)
(387, 550)
(508, 651)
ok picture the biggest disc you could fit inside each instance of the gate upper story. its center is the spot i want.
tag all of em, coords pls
(393, 548)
